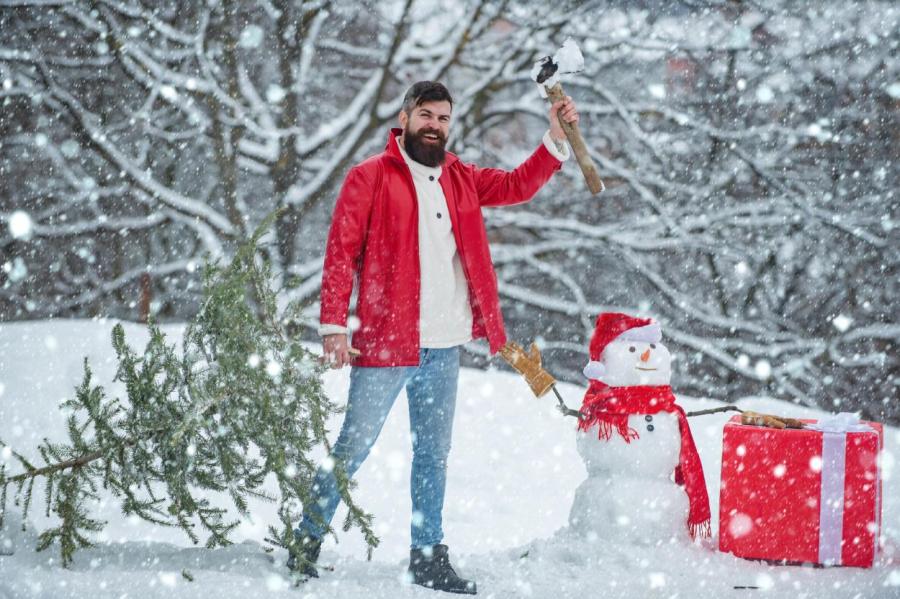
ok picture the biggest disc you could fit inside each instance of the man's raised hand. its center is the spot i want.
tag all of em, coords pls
(565, 109)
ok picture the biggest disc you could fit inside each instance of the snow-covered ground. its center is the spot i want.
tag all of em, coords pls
(513, 473)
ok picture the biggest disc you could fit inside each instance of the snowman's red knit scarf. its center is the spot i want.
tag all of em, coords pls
(609, 408)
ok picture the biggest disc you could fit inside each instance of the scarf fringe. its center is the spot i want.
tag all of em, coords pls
(704, 529)
(605, 428)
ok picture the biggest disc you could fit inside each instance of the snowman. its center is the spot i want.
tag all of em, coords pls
(644, 481)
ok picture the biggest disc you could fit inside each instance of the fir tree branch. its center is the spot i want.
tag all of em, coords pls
(241, 401)
(54, 468)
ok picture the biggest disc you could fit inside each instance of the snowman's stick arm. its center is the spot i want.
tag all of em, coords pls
(755, 418)
(566, 410)
(570, 412)
(715, 411)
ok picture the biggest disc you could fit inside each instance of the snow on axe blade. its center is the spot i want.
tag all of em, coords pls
(546, 72)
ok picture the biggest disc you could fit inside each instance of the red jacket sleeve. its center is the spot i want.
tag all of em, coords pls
(346, 239)
(497, 187)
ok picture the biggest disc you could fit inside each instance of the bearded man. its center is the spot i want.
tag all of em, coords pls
(408, 225)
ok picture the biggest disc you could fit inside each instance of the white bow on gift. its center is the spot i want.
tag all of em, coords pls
(834, 430)
(845, 422)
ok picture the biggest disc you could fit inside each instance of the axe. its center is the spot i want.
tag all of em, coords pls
(545, 73)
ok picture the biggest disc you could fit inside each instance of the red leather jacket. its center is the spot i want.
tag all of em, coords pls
(374, 234)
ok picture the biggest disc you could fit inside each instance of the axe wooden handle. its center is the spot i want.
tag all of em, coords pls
(579, 148)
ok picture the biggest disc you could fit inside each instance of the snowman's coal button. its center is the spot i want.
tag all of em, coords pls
(650, 427)
(648, 418)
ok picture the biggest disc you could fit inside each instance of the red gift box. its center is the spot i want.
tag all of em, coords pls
(802, 495)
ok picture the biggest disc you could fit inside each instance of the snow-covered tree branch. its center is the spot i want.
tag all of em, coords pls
(747, 148)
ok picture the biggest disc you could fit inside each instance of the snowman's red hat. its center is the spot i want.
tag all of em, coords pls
(612, 326)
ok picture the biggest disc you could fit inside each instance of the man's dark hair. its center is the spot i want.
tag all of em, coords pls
(425, 91)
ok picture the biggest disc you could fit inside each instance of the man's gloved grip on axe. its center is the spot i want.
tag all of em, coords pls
(546, 73)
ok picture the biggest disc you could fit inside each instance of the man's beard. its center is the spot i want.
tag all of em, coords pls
(424, 152)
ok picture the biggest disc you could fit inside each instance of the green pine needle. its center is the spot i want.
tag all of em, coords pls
(240, 403)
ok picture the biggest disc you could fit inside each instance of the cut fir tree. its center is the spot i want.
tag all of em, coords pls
(240, 406)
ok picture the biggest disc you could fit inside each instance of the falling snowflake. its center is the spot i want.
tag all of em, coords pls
(15, 270)
(273, 369)
(764, 94)
(842, 323)
(275, 93)
(168, 92)
(70, 148)
(763, 369)
(251, 37)
(168, 579)
(816, 130)
(418, 518)
(765, 582)
(20, 225)
(657, 90)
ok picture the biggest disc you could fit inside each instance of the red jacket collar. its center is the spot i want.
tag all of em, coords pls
(392, 148)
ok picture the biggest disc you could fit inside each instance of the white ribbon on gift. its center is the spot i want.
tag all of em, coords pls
(831, 500)
(845, 422)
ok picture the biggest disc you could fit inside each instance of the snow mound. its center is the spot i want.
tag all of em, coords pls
(512, 478)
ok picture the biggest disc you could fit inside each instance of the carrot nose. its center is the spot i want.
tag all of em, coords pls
(645, 356)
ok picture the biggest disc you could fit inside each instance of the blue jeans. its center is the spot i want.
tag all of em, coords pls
(431, 389)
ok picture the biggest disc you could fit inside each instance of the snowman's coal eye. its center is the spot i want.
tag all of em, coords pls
(652, 346)
(631, 349)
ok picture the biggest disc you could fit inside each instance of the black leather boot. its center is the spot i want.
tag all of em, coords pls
(435, 572)
(309, 549)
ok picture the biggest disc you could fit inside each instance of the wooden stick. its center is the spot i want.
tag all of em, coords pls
(715, 411)
(566, 410)
(579, 148)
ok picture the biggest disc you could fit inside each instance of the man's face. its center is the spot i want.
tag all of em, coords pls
(425, 132)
